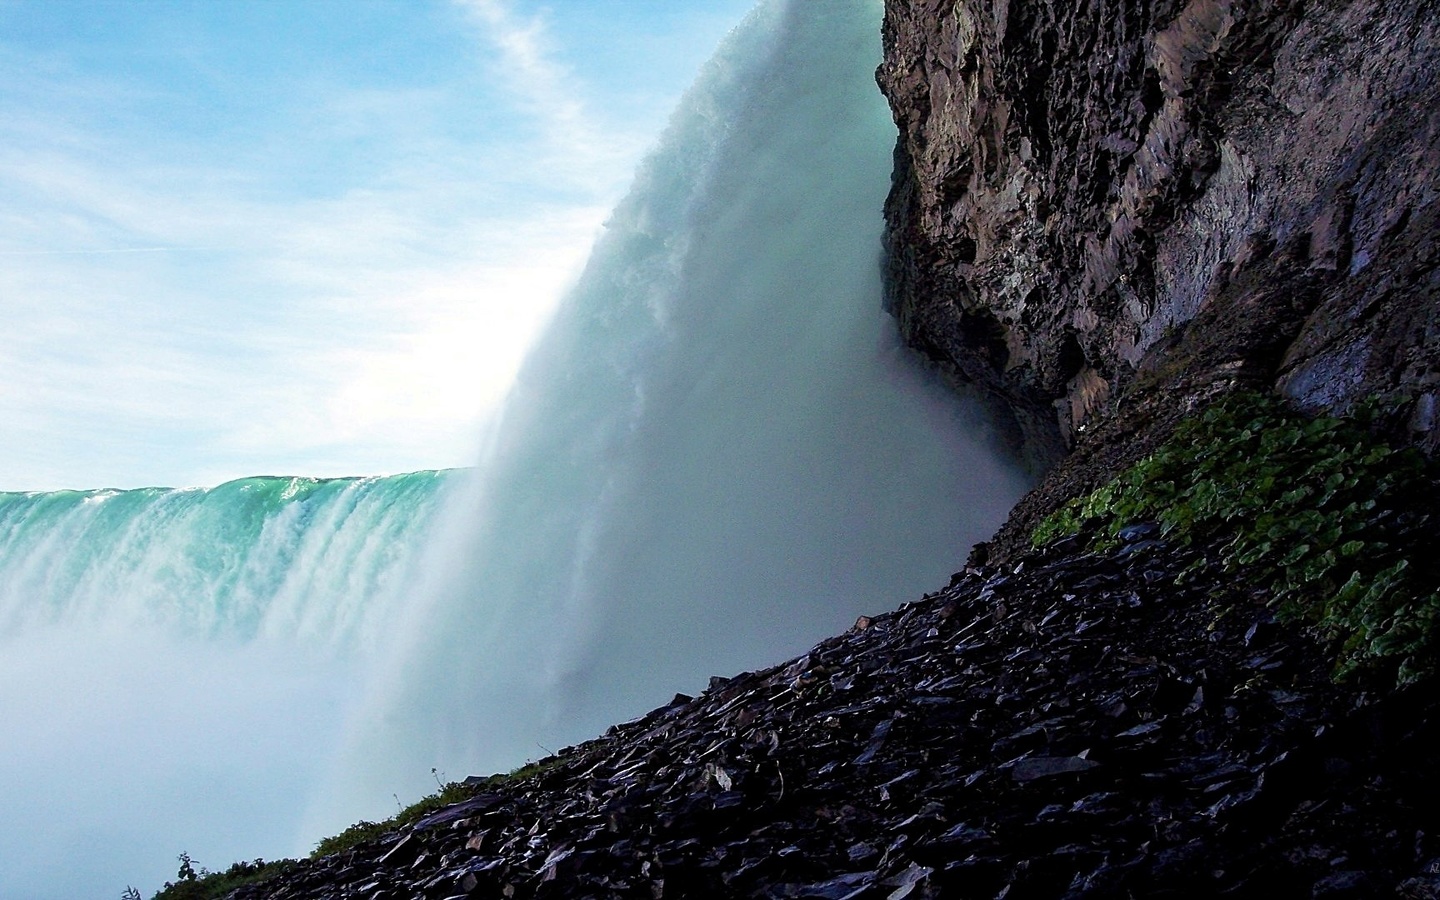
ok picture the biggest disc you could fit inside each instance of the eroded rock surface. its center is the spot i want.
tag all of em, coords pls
(1095, 194)
(1079, 726)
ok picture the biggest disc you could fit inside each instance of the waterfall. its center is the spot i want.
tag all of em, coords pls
(717, 454)
(174, 663)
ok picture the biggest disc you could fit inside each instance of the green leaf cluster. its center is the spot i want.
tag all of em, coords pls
(1334, 521)
(202, 885)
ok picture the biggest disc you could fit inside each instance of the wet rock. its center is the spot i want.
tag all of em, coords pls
(906, 882)
(1167, 195)
(1046, 767)
(405, 851)
(459, 811)
(1423, 887)
(844, 887)
(1141, 531)
(1079, 745)
(1344, 884)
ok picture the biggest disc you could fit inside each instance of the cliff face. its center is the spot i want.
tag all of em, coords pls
(1100, 197)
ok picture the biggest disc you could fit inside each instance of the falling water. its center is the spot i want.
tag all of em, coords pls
(173, 664)
(718, 453)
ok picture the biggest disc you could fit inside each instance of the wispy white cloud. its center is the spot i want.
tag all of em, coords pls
(525, 64)
(343, 288)
(363, 332)
(367, 331)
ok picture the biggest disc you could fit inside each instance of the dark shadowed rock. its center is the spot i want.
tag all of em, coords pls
(1034, 731)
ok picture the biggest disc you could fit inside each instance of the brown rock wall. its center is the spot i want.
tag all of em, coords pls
(1081, 186)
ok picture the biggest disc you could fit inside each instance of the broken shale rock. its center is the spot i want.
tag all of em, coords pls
(1078, 725)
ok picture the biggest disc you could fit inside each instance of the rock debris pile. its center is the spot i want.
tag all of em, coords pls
(1077, 725)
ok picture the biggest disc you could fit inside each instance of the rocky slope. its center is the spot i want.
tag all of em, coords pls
(1073, 727)
(1104, 213)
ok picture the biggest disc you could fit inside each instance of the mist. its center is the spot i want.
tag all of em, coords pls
(716, 455)
(175, 666)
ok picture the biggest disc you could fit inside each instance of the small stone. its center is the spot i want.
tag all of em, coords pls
(728, 799)
(906, 882)
(404, 851)
(1130, 534)
(1047, 766)
(1140, 730)
(843, 887)
(1344, 884)
(1423, 887)
(1138, 547)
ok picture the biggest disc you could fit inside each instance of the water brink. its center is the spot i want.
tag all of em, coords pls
(173, 665)
(716, 455)
(304, 558)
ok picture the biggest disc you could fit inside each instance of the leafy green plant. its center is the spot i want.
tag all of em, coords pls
(198, 884)
(353, 836)
(1334, 521)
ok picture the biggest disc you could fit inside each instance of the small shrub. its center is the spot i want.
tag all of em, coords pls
(353, 836)
(1334, 521)
(193, 884)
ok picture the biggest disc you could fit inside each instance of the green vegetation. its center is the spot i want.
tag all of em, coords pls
(1333, 521)
(360, 832)
(191, 884)
(448, 795)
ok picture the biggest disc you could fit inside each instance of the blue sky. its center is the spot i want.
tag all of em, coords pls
(260, 237)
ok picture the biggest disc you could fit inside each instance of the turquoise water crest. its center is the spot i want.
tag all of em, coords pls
(304, 556)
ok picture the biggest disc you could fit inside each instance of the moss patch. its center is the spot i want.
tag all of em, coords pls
(360, 832)
(1334, 522)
